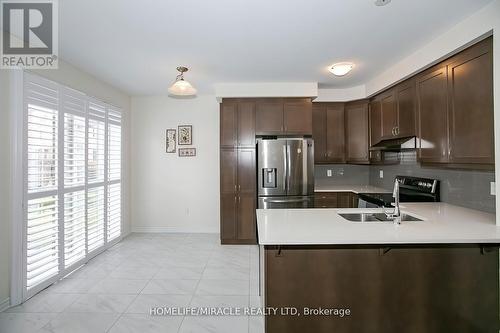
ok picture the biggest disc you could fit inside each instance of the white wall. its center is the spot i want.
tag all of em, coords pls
(171, 193)
(4, 188)
(77, 79)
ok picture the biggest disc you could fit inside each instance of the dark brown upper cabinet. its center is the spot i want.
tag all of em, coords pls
(389, 114)
(470, 91)
(432, 104)
(393, 113)
(288, 116)
(328, 132)
(357, 132)
(319, 132)
(269, 116)
(405, 99)
(228, 123)
(237, 123)
(375, 121)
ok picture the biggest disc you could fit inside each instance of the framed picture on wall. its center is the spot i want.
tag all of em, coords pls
(185, 135)
(171, 140)
(187, 152)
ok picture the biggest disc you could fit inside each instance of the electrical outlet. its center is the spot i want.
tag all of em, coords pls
(493, 189)
(381, 173)
(329, 173)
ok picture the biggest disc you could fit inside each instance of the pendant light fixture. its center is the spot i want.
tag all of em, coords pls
(181, 87)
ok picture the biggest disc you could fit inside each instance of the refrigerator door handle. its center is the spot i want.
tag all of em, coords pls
(289, 166)
(285, 168)
(287, 200)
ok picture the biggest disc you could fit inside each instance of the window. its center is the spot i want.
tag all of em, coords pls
(72, 203)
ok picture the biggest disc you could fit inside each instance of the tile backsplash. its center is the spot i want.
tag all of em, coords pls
(342, 174)
(467, 188)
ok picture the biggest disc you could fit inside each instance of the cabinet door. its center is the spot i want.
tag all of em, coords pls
(246, 194)
(246, 123)
(247, 223)
(298, 116)
(228, 170)
(319, 132)
(335, 133)
(246, 171)
(405, 97)
(375, 122)
(325, 200)
(344, 200)
(432, 104)
(357, 133)
(471, 105)
(389, 115)
(228, 216)
(269, 116)
(228, 123)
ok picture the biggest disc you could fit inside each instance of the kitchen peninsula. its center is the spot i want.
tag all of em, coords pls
(435, 275)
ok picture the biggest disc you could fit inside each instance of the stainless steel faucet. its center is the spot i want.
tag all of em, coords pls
(396, 214)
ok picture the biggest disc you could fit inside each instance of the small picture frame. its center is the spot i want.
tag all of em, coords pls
(171, 140)
(185, 135)
(187, 152)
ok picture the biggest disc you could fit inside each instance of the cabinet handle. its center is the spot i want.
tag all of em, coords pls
(239, 199)
(235, 188)
(239, 187)
(397, 130)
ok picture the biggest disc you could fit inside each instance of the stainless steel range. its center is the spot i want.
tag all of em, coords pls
(411, 189)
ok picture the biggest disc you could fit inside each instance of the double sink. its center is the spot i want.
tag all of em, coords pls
(376, 217)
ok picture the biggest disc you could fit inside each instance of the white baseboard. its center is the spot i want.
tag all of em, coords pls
(5, 304)
(168, 229)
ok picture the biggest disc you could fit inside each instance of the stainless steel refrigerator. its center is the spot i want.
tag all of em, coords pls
(285, 172)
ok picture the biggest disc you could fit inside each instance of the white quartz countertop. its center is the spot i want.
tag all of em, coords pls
(442, 224)
(349, 188)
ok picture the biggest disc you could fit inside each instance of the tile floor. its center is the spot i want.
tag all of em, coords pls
(115, 291)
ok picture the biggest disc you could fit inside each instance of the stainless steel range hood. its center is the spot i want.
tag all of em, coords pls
(399, 144)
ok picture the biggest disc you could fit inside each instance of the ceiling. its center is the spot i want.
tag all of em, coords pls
(136, 45)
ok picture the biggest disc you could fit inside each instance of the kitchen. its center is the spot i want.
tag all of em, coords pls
(436, 123)
(237, 166)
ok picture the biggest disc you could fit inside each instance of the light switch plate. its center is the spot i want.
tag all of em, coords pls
(381, 174)
(492, 188)
(328, 173)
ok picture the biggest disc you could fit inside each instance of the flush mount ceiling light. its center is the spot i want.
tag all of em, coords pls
(182, 87)
(381, 2)
(341, 68)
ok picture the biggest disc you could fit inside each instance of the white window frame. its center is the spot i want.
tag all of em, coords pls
(18, 117)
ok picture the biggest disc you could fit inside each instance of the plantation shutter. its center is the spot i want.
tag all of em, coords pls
(42, 233)
(74, 107)
(72, 168)
(114, 173)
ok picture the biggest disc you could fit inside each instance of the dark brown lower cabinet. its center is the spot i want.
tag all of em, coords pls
(335, 200)
(238, 196)
(387, 289)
